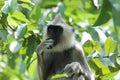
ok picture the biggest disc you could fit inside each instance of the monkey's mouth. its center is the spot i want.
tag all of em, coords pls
(51, 43)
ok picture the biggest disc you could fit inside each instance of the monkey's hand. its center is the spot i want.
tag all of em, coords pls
(73, 68)
(47, 44)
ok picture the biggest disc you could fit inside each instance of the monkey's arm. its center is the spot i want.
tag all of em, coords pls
(88, 74)
(40, 67)
(80, 67)
(41, 59)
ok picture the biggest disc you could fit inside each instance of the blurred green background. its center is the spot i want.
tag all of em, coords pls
(98, 31)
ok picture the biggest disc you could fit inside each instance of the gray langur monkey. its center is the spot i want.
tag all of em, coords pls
(60, 52)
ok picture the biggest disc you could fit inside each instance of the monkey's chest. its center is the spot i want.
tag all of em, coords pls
(58, 62)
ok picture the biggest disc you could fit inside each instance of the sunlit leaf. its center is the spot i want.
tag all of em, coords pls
(27, 1)
(105, 70)
(1, 3)
(15, 46)
(117, 77)
(90, 46)
(26, 6)
(93, 65)
(9, 53)
(21, 30)
(118, 47)
(57, 76)
(19, 16)
(36, 13)
(98, 63)
(110, 45)
(102, 36)
(118, 61)
(96, 3)
(109, 76)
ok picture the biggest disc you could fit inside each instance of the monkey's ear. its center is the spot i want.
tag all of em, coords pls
(58, 19)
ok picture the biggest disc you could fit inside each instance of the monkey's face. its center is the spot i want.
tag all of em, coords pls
(58, 35)
(54, 32)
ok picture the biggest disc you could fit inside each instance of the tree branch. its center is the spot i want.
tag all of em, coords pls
(103, 57)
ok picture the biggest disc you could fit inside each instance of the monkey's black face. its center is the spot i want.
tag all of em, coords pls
(54, 32)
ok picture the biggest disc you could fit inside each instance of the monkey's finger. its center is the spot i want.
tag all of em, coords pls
(69, 72)
(49, 40)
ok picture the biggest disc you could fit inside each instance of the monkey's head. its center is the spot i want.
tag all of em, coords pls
(61, 33)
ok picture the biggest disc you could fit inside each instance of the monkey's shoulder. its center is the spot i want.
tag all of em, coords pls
(74, 50)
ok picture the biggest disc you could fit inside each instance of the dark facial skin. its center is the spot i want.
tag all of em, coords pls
(54, 32)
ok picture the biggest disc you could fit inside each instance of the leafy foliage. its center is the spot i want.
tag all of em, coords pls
(21, 23)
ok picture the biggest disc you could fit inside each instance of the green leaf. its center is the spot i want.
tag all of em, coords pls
(115, 4)
(61, 8)
(21, 30)
(9, 53)
(109, 76)
(107, 62)
(57, 76)
(90, 46)
(1, 3)
(11, 62)
(93, 65)
(22, 68)
(12, 5)
(26, 1)
(26, 6)
(19, 16)
(116, 18)
(93, 33)
(31, 47)
(105, 13)
(98, 63)
(3, 34)
(105, 70)
(4, 19)
(36, 13)
(119, 48)
(110, 45)
(9, 6)
(5, 8)
(15, 46)
(113, 57)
